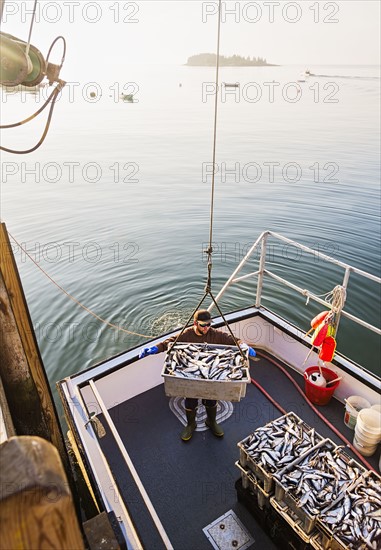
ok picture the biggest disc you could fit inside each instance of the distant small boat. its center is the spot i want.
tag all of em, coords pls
(127, 97)
(231, 84)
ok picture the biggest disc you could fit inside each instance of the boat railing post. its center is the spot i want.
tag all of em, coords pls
(262, 263)
(345, 286)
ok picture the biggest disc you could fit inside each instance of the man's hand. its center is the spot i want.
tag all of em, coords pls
(148, 351)
(244, 347)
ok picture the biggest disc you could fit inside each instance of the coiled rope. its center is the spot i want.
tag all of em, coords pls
(104, 321)
(336, 298)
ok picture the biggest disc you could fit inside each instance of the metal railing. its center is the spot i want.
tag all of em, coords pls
(262, 271)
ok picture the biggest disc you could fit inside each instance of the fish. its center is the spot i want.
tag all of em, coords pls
(206, 362)
(277, 444)
(353, 515)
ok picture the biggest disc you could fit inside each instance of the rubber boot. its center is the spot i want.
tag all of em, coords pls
(187, 432)
(211, 421)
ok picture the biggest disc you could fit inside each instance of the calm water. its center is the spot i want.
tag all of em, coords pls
(115, 205)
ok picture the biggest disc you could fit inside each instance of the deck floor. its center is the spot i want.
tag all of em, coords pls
(192, 484)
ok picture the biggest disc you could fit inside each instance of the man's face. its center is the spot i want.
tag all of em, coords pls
(202, 327)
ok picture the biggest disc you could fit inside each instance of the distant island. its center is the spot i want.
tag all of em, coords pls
(209, 60)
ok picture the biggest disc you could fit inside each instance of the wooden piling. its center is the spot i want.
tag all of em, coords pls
(36, 508)
(21, 360)
(7, 428)
(19, 387)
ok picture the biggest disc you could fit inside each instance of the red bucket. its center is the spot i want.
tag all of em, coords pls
(317, 394)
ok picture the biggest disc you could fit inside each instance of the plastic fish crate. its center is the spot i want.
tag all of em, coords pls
(292, 519)
(285, 497)
(327, 537)
(250, 482)
(276, 527)
(266, 477)
(222, 390)
(316, 542)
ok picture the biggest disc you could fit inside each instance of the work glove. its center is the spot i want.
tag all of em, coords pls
(252, 352)
(148, 351)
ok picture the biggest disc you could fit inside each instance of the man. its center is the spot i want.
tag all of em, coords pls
(201, 332)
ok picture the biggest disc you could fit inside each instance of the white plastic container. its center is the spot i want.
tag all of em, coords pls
(363, 446)
(367, 431)
(353, 406)
(369, 425)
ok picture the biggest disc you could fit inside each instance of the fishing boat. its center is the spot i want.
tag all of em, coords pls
(169, 494)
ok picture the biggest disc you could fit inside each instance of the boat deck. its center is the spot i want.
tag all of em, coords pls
(192, 484)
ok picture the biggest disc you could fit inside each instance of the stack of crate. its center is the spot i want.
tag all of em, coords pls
(286, 500)
(362, 500)
(269, 481)
(258, 462)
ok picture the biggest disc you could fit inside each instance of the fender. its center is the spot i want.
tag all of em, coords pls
(319, 334)
(319, 319)
(328, 349)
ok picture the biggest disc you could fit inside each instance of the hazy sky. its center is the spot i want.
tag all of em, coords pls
(107, 34)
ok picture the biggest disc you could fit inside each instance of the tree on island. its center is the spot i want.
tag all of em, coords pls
(209, 60)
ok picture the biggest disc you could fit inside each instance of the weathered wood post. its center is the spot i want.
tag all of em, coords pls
(31, 406)
(19, 387)
(36, 508)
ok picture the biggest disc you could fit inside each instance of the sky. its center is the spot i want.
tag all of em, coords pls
(107, 35)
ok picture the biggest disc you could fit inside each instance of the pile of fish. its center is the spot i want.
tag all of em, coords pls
(277, 444)
(320, 477)
(206, 362)
(356, 518)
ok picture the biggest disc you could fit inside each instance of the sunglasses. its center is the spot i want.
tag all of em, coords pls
(204, 324)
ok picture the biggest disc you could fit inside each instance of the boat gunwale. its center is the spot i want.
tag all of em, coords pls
(348, 366)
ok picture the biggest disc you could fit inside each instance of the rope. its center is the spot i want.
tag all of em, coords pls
(31, 28)
(336, 298)
(104, 321)
(210, 249)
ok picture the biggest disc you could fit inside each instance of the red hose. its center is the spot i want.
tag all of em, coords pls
(266, 394)
(331, 426)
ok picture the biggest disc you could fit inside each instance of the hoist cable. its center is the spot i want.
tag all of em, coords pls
(54, 96)
(209, 250)
(15, 124)
(31, 28)
(52, 46)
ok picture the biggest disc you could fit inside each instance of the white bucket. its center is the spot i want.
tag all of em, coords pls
(353, 405)
(368, 425)
(376, 408)
(364, 449)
